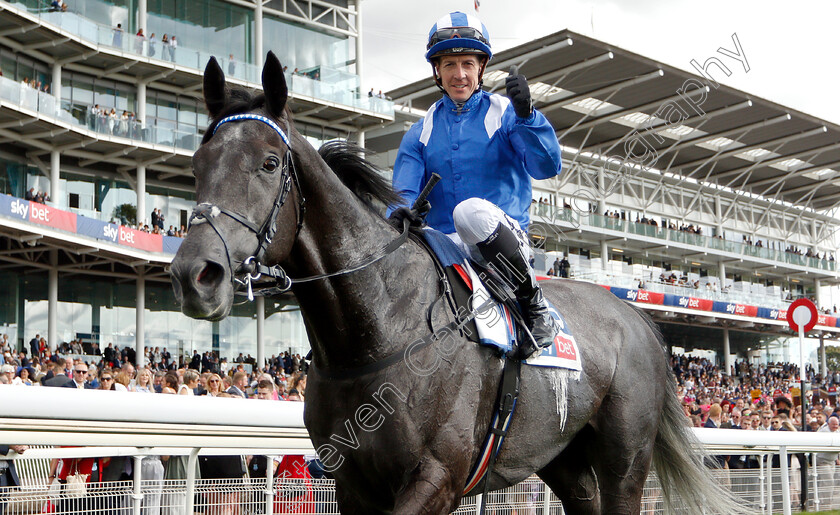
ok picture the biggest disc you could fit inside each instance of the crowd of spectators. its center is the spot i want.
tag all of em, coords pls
(35, 84)
(84, 365)
(752, 395)
(40, 197)
(108, 121)
(112, 368)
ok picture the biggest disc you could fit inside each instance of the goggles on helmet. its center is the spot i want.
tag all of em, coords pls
(456, 32)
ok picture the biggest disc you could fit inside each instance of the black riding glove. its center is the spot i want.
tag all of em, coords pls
(416, 218)
(518, 93)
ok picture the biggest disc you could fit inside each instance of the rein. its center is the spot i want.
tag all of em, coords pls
(252, 269)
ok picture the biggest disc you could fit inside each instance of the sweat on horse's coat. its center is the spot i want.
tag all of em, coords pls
(595, 455)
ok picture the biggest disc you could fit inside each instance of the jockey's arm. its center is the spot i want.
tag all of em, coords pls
(409, 169)
(535, 141)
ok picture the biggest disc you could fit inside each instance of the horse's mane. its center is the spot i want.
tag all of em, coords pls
(344, 159)
(357, 173)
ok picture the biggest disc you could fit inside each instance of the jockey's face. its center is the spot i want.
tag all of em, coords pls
(459, 75)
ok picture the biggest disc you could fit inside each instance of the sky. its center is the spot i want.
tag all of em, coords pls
(790, 47)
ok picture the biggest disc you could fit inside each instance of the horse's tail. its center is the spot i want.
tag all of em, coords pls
(688, 486)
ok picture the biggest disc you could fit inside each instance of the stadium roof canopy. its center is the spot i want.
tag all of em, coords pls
(607, 101)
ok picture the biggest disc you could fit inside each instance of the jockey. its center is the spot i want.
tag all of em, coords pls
(486, 148)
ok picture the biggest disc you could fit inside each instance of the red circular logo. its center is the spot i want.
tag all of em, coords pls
(802, 312)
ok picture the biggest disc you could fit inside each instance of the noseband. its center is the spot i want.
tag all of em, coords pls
(252, 269)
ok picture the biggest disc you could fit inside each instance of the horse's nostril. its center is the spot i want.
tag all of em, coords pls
(210, 274)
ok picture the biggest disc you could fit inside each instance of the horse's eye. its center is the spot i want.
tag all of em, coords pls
(271, 164)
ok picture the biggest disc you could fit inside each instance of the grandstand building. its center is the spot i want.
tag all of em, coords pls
(103, 122)
(709, 208)
(666, 172)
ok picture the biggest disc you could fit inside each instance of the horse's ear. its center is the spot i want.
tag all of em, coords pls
(215, 96)
(274, 85)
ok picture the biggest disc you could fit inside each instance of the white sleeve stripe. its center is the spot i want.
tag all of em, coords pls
(493, 119)
(428, 123)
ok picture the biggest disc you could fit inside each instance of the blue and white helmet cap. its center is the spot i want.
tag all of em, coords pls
(458, 33)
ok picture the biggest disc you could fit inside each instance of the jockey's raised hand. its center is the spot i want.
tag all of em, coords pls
(516, 86)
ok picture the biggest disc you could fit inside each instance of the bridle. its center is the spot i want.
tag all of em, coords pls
(251, 269)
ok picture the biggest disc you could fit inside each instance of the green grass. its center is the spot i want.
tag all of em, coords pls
(835, 512)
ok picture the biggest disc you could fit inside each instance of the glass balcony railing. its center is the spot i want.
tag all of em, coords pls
(628, 281)
(45, 104)
(322, 82)
(554, 215)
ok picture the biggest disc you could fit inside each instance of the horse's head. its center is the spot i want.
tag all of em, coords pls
(247, 205)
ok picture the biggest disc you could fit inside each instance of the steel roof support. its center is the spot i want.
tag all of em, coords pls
(614, 115)
(679, 144)
(769, 162)
(721, 154)
(570, 99)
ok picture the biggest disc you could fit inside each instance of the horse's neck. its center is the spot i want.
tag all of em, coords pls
(350, 318)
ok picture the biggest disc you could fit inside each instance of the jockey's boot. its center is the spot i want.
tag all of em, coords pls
(502, 250)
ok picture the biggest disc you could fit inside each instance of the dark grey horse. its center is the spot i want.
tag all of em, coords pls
(403, 437)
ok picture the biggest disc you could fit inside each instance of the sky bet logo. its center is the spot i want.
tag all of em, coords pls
(20, 208)
(110, 232)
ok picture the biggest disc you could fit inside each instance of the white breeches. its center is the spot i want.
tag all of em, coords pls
(475, 220)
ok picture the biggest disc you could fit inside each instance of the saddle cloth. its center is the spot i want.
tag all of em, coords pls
(493, 321)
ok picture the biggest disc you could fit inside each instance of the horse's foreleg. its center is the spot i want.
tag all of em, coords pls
(430, 491)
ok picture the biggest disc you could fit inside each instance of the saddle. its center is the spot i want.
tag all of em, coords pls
(474, 291)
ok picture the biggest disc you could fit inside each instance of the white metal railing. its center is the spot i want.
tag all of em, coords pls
(142, 426)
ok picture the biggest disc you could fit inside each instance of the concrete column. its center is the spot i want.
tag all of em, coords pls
(52, 302)
(260, 307)
(56, 195)
(359, 42)
(823, 363)
(722, 267)
(141, 195)
(361, 138)
(142, 16)
(56, 85)
(258, 34)
(718, 217)
(141, 104)
(727, 360)
(140, 312)
(604, 254)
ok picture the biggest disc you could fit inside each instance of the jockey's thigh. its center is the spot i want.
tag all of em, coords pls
(476, 219)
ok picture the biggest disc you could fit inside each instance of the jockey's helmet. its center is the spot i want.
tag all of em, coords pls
(458, 33)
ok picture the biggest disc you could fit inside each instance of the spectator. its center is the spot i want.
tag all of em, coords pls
(8, 474)
(265, 390)
(152, 44)
(231, 65)
(190, 382)
(173, 45)
(139, 40)
(239, 385)
(118, 32)
(171, 383)
(145, 383)
(80, 372)
(59, 378)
